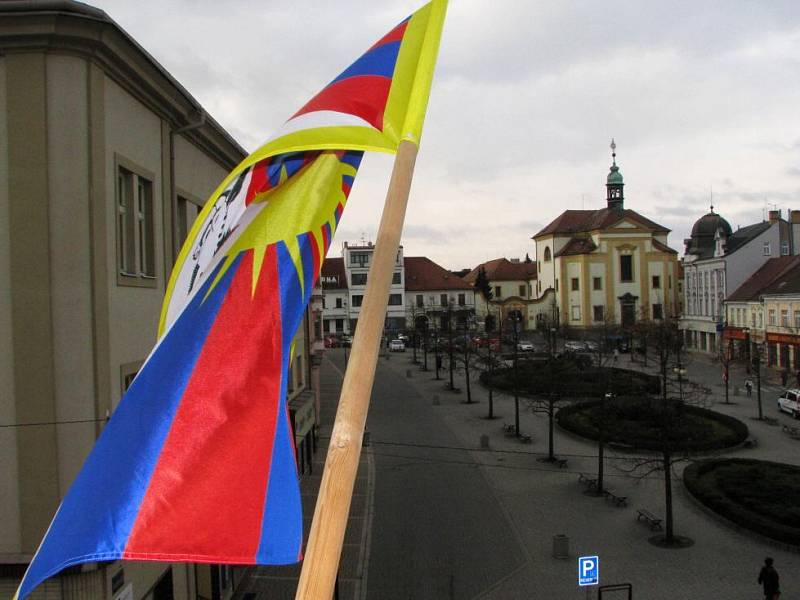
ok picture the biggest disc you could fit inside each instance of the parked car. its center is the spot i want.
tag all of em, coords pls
(789, 402)
(483, 341)
(574, 346)
(402, 337)
(345, 341)
(525, 346)
(592, 346)
(331, 341)
(397, 346)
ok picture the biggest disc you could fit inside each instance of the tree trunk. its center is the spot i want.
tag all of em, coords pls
(669, 533)
(551, 416)
(491, 372)
(466, 378)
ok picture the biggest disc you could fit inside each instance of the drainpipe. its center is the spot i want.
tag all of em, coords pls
(172, 191)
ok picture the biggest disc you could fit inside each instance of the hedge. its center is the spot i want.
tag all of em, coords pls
(635, 423)
(755, 494)
(568, 381)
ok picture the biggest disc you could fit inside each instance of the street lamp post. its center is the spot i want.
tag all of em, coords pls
(756, 354)
(347, 322)
(515, 325)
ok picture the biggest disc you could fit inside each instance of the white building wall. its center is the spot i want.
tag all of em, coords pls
(747, 260)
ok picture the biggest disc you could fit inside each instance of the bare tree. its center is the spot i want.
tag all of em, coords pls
(667, 413)
(725, 356)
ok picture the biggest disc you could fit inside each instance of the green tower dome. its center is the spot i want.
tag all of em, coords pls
(614, 177)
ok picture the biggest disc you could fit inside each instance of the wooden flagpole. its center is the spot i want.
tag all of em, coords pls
(318, 576)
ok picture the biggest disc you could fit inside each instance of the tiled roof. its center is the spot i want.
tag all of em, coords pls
(332, 275)
(577, 246)
(581, 221)
(776, 276)
(502, 269)
(422, 274)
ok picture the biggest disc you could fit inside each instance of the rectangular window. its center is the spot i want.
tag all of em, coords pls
(497, 292)
(669, 281)
(574, 284)
(462, 299)
(395, 299)
(760, 317)
(658, 312)
(522, 291)
(626, 267)
(797, 318)
(784, 318)
(338, 303)
(771, 316)
(598, 313)
(339, 325)
(135, 228)
(752, 319)
(420, 301)
(767, 249)
(357, 300)
(784, 248)
(396, 278)
(576, 313)
(656, 282)
(358, 279)
(359, 259)
(443, 300)
(597, 284)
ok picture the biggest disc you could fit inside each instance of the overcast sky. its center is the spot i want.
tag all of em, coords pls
(526, 98)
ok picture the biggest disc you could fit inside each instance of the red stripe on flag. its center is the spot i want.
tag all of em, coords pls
(395, 35)
(363, 96)
(206, 497)
(258, 182)
(312, 241)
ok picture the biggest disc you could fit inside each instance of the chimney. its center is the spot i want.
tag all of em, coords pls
(774, 216)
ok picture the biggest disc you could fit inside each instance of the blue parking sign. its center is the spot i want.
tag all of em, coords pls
(588, 570)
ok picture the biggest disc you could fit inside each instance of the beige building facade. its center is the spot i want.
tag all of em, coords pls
(105, 161)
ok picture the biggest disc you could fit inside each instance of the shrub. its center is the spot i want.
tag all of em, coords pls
(755, 494)
(637, 422)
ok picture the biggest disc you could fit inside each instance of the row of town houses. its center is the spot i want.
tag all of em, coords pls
(732, 290)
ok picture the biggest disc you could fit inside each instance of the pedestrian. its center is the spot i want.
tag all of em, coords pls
(768, 577)
(784, 377)
(616, 355)
(748, 385)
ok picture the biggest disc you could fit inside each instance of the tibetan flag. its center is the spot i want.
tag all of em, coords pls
(197, 463)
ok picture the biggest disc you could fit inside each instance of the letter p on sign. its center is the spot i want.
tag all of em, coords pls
(588, 570)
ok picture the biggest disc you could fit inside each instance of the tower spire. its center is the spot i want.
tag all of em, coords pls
(614, 182)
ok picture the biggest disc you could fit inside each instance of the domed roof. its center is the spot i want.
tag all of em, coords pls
(614, 177)
(707, 225)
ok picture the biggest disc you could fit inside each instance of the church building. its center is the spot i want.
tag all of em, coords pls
(610, 265)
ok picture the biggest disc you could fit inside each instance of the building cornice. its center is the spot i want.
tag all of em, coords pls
(73, 29)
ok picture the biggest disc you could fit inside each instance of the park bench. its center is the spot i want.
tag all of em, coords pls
(750, 442)
(618, 500)
(525, 438)
(589, 482)
(654, 521)
(792, 432)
